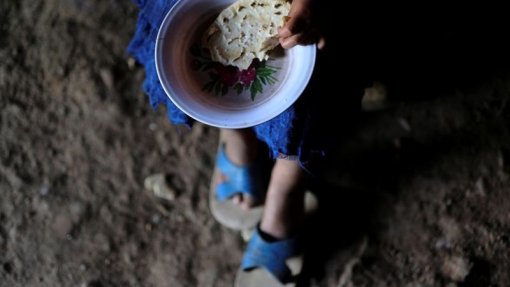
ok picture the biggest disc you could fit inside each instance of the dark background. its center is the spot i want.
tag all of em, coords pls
(416, 194)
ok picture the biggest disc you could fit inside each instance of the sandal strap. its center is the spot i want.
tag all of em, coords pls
(240, 179)
(270, 255)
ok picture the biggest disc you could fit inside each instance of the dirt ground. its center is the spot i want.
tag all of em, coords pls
(419, 194)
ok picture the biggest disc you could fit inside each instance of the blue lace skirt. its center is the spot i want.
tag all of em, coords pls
(304, 131)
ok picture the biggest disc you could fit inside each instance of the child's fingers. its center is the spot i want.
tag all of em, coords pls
(284, 32)
(321, 43)
(294, 25)
(303, 39)
(291, 41)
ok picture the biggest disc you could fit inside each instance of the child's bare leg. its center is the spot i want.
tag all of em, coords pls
(284, 207)
(241, 149)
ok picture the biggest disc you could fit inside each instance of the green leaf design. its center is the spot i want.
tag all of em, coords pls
(239, 88)
(253, 92)
(224, 90)
(256, 87)
(209, 86)
(217, 88)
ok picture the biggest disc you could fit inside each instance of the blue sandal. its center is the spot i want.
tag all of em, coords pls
(240, 179)
(269, 264)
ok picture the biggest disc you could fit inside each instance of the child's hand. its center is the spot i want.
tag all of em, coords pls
(301, 27)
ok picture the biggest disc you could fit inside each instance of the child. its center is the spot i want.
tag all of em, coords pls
(297, 138)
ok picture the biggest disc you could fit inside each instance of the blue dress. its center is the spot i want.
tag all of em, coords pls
(304, 131)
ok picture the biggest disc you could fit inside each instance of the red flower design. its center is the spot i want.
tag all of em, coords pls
(223, 78)
(229, 75)
(248, 76)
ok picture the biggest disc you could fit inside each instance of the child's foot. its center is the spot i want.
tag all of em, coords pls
(273, 256)
(237, 190)
(240, 149)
